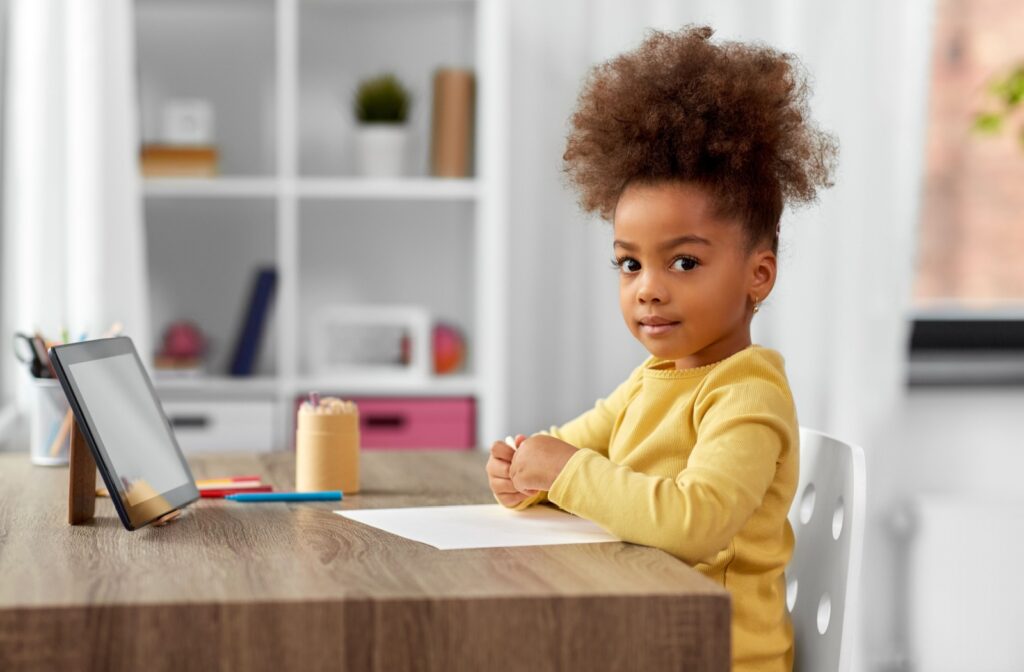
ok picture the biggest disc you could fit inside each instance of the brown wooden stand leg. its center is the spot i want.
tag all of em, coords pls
(82, 482)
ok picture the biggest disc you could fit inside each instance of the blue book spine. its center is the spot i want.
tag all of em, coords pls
(248, 344)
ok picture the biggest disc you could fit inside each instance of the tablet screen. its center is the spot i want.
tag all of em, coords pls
(133, 429)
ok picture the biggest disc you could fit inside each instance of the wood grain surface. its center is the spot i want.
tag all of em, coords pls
(286, 586)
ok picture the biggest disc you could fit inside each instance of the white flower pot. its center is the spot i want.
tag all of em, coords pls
(381, 149)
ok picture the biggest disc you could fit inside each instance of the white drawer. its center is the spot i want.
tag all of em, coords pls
(212, 426)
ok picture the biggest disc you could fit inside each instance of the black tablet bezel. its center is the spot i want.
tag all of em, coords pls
(62, 357)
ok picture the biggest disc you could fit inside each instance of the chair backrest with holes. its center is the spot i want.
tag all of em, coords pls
(822, 578)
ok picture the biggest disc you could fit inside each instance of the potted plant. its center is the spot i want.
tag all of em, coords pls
(381, 106)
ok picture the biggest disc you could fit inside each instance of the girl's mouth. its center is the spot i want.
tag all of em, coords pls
(657, 329)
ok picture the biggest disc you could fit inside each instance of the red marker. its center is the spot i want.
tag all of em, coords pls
(232, 491)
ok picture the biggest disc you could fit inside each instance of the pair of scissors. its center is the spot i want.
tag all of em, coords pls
(31, 350)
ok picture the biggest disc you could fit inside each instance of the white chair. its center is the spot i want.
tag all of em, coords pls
(823, 576)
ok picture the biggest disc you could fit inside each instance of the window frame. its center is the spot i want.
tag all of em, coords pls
(961, 347)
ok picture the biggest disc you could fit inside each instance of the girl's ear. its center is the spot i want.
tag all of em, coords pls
(763, 265)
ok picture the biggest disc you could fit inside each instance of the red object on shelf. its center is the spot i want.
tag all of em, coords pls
(183, 339)
(449, 349)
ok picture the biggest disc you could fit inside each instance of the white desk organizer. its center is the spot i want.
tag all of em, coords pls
(367, 340)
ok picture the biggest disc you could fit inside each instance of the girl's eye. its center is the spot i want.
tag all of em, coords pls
(684, 263)
(626, 264)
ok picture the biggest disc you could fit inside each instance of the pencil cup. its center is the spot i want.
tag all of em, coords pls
(327, 447)
(51, 423)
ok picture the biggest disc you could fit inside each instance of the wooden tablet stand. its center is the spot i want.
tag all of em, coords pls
(82, 481)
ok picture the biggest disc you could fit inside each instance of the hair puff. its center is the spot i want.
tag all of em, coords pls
(732, 117)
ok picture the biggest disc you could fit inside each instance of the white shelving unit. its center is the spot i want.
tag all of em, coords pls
(279, 74)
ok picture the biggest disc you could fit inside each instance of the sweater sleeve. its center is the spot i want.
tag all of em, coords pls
(743, 429)
(592, 430)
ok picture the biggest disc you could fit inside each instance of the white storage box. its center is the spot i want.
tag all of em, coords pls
(368, 340)
(216, 426)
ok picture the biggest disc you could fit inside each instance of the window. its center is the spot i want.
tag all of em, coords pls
(969, 289)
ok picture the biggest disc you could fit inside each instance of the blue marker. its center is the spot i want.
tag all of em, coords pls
(324, 496)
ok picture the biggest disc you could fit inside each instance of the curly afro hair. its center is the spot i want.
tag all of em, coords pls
(732, 117)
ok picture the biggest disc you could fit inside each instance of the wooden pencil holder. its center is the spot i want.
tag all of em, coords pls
(327, 451)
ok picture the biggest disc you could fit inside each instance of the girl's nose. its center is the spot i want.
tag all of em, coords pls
(650, 290)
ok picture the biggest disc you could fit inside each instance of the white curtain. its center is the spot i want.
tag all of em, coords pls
(73, 246)
(839, 311)
(8, 414)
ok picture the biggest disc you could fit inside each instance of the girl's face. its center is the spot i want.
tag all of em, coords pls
(688, 282)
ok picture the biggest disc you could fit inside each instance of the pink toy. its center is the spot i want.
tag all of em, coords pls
(183, 340)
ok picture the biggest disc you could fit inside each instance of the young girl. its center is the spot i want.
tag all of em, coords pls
(691, 149)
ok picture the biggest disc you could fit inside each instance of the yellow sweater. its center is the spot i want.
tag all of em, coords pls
(701, 463)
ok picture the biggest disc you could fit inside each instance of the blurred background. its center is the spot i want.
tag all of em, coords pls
(365, 198)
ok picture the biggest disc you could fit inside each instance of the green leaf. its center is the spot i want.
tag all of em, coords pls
(1016, 87)
(1010, 90)
(989, 123)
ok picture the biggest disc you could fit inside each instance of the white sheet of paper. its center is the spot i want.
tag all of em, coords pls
(482, 526)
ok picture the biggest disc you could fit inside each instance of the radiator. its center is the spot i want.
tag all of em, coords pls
(966, 585)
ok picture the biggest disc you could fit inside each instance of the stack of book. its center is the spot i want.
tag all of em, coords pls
(179, 161)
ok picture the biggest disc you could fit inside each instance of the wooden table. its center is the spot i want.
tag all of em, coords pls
(294, 586)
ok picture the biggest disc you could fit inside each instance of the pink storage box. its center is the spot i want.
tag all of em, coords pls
(415, 422)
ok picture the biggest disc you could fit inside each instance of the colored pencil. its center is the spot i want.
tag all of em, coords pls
(229, 485)
(226, 479)
(62, 434)
(326, 495)
(206, 491)
(232, 491)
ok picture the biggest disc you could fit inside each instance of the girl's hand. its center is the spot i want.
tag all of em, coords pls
(538, 462)
(498, 474)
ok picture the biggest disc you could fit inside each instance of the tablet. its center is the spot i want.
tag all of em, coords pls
(121, 419)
